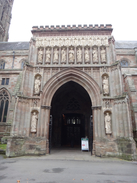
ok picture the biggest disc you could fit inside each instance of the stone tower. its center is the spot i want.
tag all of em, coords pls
(5, 18)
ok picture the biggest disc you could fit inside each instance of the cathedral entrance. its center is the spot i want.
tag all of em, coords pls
(71, 117)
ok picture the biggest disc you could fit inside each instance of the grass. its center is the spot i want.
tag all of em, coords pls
(3, 146)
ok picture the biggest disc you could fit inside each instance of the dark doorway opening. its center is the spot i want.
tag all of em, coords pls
(71, 113)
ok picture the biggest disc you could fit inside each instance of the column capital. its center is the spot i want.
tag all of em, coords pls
(96, 107)
(45, 107)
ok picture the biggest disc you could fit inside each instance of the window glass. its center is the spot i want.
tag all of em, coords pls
(3, 81)
(7, 81)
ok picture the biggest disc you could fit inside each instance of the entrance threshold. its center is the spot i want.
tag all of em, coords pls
(66, 153)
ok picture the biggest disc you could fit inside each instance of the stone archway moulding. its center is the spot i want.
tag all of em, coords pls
(71, 74)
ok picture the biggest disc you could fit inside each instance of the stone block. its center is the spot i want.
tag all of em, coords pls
(18, 146)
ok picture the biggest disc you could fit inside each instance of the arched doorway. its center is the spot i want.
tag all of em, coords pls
(71, 116)
(57, 81)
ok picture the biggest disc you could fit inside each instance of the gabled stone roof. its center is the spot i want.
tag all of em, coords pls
(125, 44)
(4, 46)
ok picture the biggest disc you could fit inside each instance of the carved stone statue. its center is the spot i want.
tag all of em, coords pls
(108, 123)
(86, 55)
(105, 85)
(63, 55)
(103, 55)
(40, 56)
(71, 55)
(79, 55)
(95, 55)
(34, 122)
(56, 56)
(37, 85)
(48, 56)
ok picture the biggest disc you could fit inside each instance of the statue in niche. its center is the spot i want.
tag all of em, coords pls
(103, 55)
(34, 122)
(56, 56)
(105, 85)
(40, 56)
(95, 55)
(48, 55)
(37, 85)
(63, 55)
(79, 55)
(108, 123)
(86, 55)
(71, 55)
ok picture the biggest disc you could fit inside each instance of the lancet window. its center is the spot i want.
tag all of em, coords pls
(4, 104)
(2, 64)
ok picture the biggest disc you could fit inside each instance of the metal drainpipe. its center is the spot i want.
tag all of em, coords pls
(13, 59)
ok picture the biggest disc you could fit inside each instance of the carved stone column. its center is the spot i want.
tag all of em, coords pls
(136, 54)
(44, 55)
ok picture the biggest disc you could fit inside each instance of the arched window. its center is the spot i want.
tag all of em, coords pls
(2, 64)
(4, 104)
(124, 63)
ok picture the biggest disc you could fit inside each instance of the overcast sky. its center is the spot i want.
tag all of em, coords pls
(122, 14)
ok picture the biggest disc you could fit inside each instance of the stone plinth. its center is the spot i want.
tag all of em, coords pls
(18, 146)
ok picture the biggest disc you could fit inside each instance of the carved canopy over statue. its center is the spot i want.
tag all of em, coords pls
(40, 56)
(37, 85)
(34, 120)
(105, 85)
(71, 55)
(108, 123)
(72, 41)
(48, 56)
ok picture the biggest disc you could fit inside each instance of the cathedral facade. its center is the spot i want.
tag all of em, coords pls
(68, 83)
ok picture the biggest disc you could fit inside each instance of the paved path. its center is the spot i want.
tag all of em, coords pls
(66, 167)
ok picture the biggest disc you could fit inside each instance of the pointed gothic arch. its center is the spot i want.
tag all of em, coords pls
(71, 74)
(4, 104)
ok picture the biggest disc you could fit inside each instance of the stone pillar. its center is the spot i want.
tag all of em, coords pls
(45, 125)
(135, 54)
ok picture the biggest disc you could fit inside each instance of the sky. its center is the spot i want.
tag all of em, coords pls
(122, 14)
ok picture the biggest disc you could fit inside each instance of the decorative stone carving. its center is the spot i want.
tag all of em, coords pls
(72, 41)
(63, 55)
(87, 58)
(34, 120)
(108, 123)
(48, 56)
(40, 56)
(107, 104)
(95, 55)
(105, 85)
(103, 55)
(37, 85)
(71, 55)
(79, 55)
(56, 56)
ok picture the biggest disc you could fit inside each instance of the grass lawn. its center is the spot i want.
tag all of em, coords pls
(3, 146)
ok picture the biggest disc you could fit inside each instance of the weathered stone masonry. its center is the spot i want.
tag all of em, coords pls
(88, 56)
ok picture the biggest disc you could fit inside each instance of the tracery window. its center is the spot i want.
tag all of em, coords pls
(4, 104)
(2, 64)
